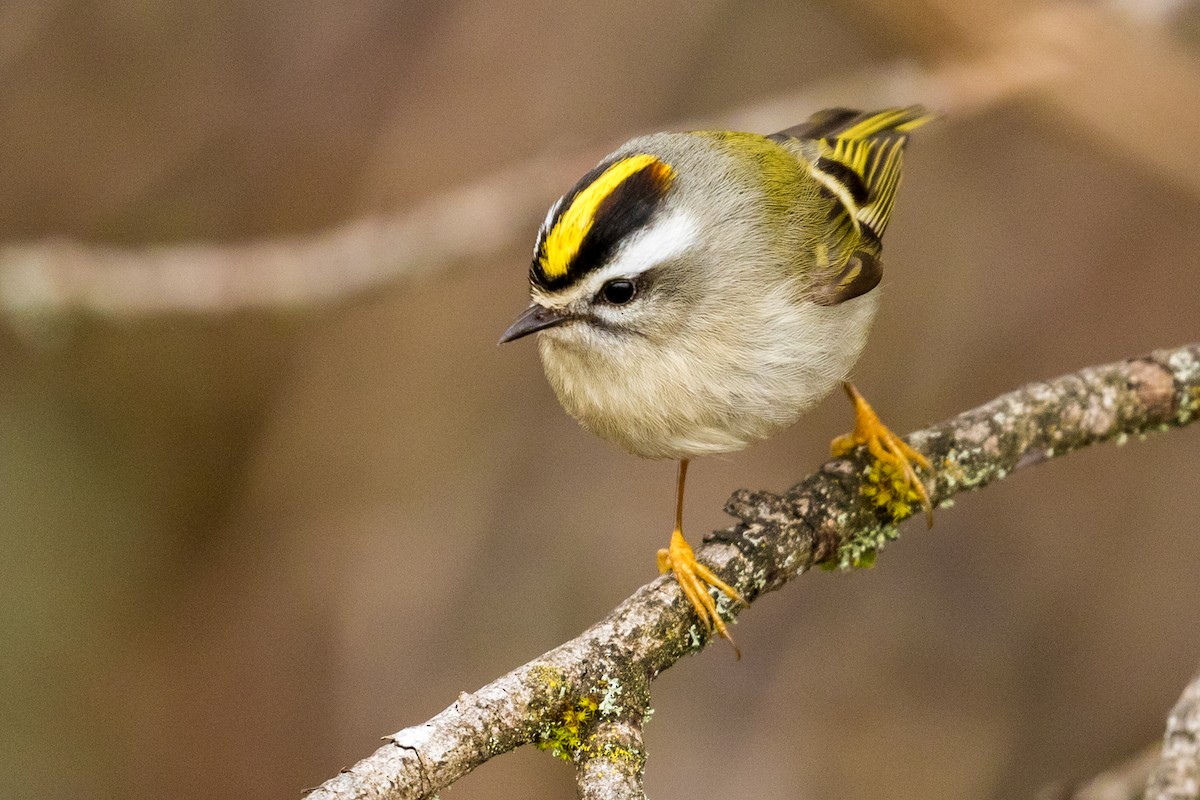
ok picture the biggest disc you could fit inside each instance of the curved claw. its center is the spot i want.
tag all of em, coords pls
(694, 579)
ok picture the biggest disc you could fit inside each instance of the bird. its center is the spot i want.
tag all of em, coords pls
(699, 291)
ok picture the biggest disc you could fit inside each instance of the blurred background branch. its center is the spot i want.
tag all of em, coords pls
(1070, 55)
(461, 226)
(1166, 771)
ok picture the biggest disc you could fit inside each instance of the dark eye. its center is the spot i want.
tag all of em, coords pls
(618, 291)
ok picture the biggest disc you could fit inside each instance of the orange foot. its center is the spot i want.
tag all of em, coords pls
(695, 578)
(889, 451)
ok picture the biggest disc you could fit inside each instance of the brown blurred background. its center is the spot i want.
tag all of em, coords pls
(238, 545)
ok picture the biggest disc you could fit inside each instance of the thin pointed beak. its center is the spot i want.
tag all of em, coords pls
(532, 320)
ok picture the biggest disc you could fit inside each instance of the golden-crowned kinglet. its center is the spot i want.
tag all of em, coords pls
(697, 292)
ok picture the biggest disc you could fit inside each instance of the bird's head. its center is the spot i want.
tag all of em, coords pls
(603, 262)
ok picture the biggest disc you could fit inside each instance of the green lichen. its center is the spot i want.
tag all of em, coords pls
(888, 487)
(954, 475)
(724, 605)
(759, 580)
(564, 738)
(612, 690)
(1184, 365)
(1186, 368)
(570, 735)
(627, 755)
(551, 677)
(1189, 406)
(860, 550)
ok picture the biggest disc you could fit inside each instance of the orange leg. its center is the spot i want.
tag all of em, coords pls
(887, 448)
(694, 578)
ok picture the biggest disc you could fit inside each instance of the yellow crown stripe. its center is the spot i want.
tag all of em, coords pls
(564, 239)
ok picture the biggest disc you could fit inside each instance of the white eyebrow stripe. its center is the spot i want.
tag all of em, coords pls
(545, 229)
(550, 214)
(651, 247)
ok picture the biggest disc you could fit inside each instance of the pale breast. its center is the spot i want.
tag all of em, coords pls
(743, 385)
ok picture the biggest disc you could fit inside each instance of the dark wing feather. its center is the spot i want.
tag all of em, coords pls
(857, 158)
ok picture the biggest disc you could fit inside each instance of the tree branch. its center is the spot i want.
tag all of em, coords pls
(587, 699)
(612, 762)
